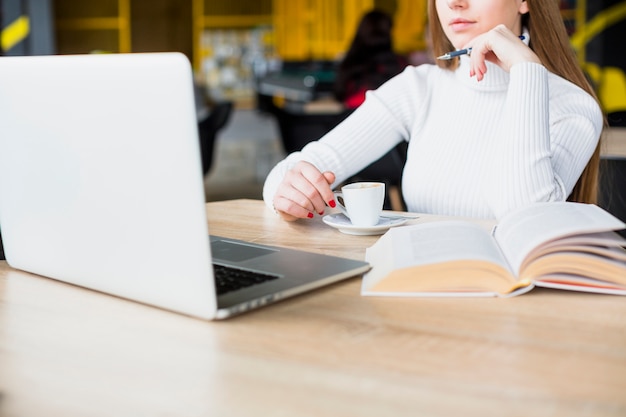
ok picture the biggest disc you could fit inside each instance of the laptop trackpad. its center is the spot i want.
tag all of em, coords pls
(236, 252)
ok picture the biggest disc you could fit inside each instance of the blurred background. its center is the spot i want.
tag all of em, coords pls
(274, 61)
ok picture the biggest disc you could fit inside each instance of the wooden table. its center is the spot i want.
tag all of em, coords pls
(66, 351)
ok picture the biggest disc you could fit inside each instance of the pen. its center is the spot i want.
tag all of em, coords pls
(450, 55)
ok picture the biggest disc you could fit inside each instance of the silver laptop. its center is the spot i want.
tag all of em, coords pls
(101, 186)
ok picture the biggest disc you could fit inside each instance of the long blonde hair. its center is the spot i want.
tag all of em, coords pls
(548, 36)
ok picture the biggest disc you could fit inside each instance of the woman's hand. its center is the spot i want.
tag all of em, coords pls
(500, 46)
(304, 191)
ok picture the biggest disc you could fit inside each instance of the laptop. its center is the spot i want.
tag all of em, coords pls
(101, 186)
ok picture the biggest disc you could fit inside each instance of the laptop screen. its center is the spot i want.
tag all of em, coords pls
(100, 175)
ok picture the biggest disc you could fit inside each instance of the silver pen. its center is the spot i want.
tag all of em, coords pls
(467, 51)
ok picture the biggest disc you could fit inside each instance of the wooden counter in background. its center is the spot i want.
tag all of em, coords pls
(614, 142)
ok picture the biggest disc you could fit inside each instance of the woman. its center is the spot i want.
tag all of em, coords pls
(370, 60)
(513, 123)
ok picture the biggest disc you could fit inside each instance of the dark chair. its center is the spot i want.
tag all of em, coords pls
(616, 118)
(297, 129)
(208, 130)
(612, 187)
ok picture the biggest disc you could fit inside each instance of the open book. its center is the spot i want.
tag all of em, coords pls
(570, 246)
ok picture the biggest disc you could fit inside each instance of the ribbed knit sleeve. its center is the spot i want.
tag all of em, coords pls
(550, 130)
(371, 131)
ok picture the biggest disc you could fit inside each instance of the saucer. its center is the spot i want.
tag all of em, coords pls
(341, 222)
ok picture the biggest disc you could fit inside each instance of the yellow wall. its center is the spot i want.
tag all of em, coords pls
(302, 29)
(95, 25)
(323, 29)
(610, 81)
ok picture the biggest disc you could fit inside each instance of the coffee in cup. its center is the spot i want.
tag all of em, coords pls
(362, 202)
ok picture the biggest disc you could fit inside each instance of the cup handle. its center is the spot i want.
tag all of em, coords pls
(340, 204)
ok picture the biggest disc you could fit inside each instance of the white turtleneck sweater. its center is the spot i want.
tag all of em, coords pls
(477, 149)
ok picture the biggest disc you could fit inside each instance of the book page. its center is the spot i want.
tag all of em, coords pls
(608, 245)
(578, 283)
(521, 231)
(444, 241)
(583, 264)
(438, 256)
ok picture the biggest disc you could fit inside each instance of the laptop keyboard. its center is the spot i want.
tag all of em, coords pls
(229, 279)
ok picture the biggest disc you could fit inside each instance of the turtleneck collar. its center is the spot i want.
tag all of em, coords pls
(495, 79)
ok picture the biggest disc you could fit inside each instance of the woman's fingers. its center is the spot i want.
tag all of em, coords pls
(500, 46)
(303, 192)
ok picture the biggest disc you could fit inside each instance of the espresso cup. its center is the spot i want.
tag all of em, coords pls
(362, 202)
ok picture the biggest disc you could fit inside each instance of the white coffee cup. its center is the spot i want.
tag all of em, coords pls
(362, 202)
